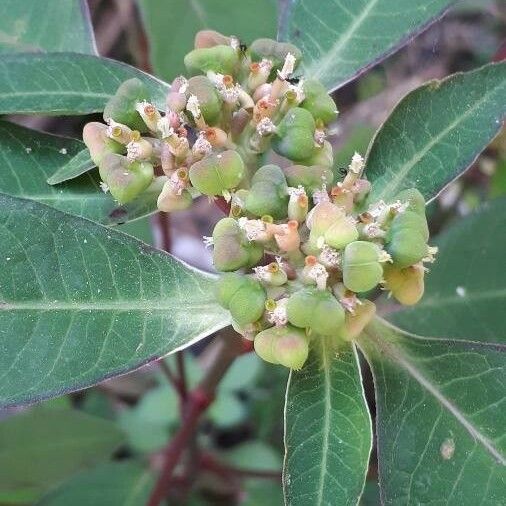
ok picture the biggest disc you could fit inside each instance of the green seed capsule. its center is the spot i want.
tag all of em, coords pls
(169, 202)
(290, 346)
(321, 218)
(310, 177)
(406, 285)
(217, 173)
(356, 322)
(121, 107)
(361, 268)
(294, 138)
(407, 239)
(210, 102)
(315, 309)
(275, 51)
(210, 38)
(321, 155)
(268, 193)
(125, 180)
(227, 286)
(98, 143)
(221, 59)
(232, 250)
(318, 102)
(247, 304)
(264, 344)
(414, 198)
(342, 231)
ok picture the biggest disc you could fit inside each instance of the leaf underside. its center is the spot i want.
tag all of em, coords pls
(81, 303)
(440, 418)
(327, 429)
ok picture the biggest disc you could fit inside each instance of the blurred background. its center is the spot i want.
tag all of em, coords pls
(239, 446)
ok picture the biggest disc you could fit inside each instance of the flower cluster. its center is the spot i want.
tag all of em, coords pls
(299, 251)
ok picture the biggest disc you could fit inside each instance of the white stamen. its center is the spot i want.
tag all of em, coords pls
(208, 241)
(266, 127)
(278, 315)
(133, 151)
(163, 126)
(254, 229)
(319, 274)
(288, 67)
(193, 106)
(104, 187)
(202, 145)
(329, 256)
(357, 164)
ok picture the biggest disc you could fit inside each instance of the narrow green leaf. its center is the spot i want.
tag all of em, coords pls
(28, 157)
(171, 26)
(327, 429)
(32, 26)
(436, 132)
(466, 286)
(112, 484)
(80, 163)
(81, 303)
(41, 447)
(440, 418)
(66, 83)
(342, 39)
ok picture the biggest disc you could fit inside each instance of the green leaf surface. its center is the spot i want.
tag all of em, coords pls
(28, 157)
(327, 429)
(340, 39)
(80, 163)
(171, 26)
(41, 447)
(440, 418)
(81, 303)
(66, 83)
(436, 132)
(32, 26)
(112, 484)
(465, 295)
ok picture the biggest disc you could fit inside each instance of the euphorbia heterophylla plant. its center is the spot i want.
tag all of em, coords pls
(306, 253)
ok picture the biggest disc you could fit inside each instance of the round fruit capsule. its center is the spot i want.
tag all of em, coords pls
(122, 106)
(247, 304)
(342, 231)
(274, 51)
(125, 180)
(217, 173)
(221, 59)
(294, 138)
(406, 285)
(210, 102)
(415, 200)
(356, 322)
(268, 194)
(318, 102)
(98, 143)
(290, 346)
(312, 177)
(361, 268)
(210, 38)
(264, 344)
(321, 155)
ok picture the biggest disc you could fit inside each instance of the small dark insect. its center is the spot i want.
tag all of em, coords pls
(293, 80)
(243, 47)
(342, 171)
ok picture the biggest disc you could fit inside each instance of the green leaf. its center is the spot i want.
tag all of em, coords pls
(28, 157)
(80, 163)
(81, 303)
(41, 447)
(32, 26)
(171, 26)
(341, 39)
(466, 286)
(327, 429)
(254, 455)
(112, 484)
(66, 83)
(436, 132)
(440, 418)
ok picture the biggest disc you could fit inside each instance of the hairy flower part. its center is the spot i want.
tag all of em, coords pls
(299, 251)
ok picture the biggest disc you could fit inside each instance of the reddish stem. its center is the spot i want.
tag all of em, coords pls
(223, 205)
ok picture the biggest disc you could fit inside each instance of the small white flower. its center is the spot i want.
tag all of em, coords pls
(254, 229)
(202, 145)
(318, 273)
(288, 67)
(383, 256)
(278, 315)
(298, 89)
(193, 106)
(321, 196)
(63, 151)
(431, 254)
(319, 137)
(208, 241)
(373, 230)
(104, 187)
(357, 164)
(265, 127)
(133, 151)
(377, 209)
(163, 126)
(329, 256)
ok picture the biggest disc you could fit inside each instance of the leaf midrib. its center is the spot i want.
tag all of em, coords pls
(402, 360)
(468, 297)
(120, 305)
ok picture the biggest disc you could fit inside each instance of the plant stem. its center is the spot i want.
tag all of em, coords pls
(197, 401)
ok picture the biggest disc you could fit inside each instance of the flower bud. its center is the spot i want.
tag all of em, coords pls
(217, 173)
(268, 193)
(210, 38)
(172, 199)
(122, 106)
(294, 138)
(407, 239)
(318, 102)
(274, 51)
(98, 143)
(319, 220)
(298, 204)
(362, 270)
(286, 235)
(290, 346)
(356, 321)
(271, 274)
(222, 59)
(125, 180)
(406, 285)
(310, 177)
(317, 310)
(232, 250)
(342, 231)
(209, 100)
